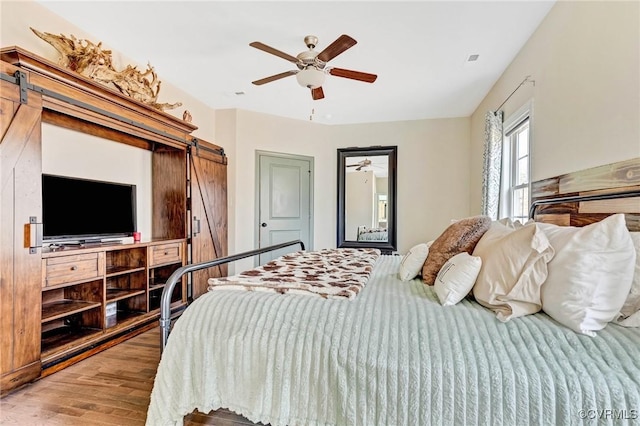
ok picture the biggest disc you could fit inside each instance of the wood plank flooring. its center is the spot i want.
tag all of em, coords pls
(110, 388)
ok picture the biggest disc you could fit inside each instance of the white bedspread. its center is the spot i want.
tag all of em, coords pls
(391, 356)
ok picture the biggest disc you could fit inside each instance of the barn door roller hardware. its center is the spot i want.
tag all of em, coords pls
(20, 79)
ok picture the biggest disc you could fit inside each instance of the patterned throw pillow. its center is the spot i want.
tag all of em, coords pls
(460, 236)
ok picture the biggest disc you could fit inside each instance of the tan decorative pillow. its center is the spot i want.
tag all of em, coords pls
(460, 236)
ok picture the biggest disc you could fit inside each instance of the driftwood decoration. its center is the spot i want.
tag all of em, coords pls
(92, 61)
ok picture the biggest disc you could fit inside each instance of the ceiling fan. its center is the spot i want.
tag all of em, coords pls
(312, 66)
(361, 164)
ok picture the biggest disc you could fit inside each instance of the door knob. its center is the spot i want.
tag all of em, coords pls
(263, 224)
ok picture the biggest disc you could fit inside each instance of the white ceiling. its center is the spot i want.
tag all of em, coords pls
(418, 49)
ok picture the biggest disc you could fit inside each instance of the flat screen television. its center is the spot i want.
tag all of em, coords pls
(83, 210)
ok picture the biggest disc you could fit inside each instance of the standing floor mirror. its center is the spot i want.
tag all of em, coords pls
(367, 198)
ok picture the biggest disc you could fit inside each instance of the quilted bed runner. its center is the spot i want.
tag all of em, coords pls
(328, 273)
(391, 356)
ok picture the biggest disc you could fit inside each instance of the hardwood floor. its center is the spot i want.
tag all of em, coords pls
(110, 388)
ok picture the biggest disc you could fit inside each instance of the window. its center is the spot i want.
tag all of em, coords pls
(516, 166)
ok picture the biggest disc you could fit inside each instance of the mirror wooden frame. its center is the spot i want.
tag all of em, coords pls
(389, 246)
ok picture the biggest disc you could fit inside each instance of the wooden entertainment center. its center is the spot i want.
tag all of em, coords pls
(91, 293)
(60, 304)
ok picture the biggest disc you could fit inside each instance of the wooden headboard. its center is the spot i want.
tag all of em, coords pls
(590, 195)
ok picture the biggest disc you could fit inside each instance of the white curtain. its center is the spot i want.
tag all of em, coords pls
(492, 171)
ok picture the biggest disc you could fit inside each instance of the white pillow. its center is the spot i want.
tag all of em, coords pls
(506, 221)
(630, 311)
(590, 275)
(514, 266)
(456, 278)
(411, 264)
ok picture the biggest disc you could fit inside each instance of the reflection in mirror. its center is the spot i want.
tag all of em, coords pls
(365, 183)
(366, 195)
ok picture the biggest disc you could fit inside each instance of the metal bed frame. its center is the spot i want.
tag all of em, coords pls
(165, 301)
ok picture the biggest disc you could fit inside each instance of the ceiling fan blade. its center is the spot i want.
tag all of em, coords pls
(317, 93)
(341, 44)
(273, 51)
(354, 75)
(274, 77)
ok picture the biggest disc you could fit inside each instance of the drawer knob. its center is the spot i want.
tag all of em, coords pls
(166, 253)
(74, 268)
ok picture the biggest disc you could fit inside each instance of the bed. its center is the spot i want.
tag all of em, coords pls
(372, 234)
(394, 355)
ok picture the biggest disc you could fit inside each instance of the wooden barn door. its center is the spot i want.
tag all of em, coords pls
(208, 177)
(20, 205)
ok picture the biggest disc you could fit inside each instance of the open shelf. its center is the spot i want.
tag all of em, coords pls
(157, 282)
(158, 276)
(159, 286)
(123, 293)
(128, 316)
(65, 307)
(174, 305)
(115, 294)
(61, 337)
(121, 270)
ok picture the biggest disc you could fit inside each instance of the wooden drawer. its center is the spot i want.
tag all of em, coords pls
(165, 253)
(67, 269)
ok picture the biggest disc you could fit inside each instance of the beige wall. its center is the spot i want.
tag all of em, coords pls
(433, 155)
(433, 170)
(584, 58)
(359, 194)
(245, 133)
(17, 16)
(382, 185)
(70, 153)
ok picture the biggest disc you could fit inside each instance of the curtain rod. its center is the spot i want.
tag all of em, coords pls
(526, 79)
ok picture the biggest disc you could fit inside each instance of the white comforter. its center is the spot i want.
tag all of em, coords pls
(391, 356)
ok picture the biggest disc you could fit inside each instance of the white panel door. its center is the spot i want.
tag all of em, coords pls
(284, 202)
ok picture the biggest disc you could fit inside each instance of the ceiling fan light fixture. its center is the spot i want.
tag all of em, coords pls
(310, 77)
(312, 65)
